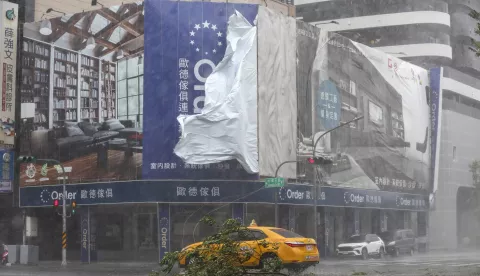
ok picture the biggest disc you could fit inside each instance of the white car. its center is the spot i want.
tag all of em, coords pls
(362, 246)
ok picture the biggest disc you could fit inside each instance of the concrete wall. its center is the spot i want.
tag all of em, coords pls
(458, 131)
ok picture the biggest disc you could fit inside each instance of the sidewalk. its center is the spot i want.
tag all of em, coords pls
(101, 268)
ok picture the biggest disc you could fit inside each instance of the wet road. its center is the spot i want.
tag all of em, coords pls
(418, 265)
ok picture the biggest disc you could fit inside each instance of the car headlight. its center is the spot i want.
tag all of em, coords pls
(391, 243)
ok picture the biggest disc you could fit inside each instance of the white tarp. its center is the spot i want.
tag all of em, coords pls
(227, 127)
(277, 96)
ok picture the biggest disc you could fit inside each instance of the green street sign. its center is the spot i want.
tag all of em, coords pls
(274, 182)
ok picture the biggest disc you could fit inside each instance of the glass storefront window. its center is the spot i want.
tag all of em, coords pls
(147, 231)
(263, 214)
(109, 232)
(186, 225)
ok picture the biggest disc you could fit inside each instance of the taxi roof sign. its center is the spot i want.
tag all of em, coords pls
(253, 223)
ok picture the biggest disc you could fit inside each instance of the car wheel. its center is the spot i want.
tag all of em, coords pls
(364, 254)
(270, 262)
(382, 253)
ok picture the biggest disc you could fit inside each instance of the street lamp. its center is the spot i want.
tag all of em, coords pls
(315, 188)
(313, 161)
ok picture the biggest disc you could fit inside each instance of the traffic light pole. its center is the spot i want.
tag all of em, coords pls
(316, 189)
(64, 208)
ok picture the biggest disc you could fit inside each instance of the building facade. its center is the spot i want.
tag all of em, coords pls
(129, 207)
(429, 34)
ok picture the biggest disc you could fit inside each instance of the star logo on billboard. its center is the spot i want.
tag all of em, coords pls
(282, 193)
(206, 31)
(44, 196)
(164, 221)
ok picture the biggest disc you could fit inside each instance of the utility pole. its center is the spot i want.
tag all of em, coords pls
(64, 218)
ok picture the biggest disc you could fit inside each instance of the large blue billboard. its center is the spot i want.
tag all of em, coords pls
(184, 41)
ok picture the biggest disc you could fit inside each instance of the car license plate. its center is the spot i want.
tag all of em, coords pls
(309, 247)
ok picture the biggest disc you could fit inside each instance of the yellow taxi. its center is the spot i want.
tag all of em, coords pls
(290, 248)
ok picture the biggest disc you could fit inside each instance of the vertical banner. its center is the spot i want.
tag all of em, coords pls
(93, 237)
(436, 75)
(184, 41)
(238, 212)
(85, 241)
(8, 36)
(163, 215)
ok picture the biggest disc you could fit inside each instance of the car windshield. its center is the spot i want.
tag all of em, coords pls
(386, 236)
(356, 239)
(286, 234)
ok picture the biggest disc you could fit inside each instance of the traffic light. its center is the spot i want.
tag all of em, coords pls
(26, 159)
(319, 161)
(74, 207)
(56, 203)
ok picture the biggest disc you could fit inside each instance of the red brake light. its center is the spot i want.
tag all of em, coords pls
(295, 244)
(136, 136)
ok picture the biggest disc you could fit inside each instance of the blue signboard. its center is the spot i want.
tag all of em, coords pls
(329, 105)
(189, 191)
(435, 96)
(163, 212)
(7, 160)
(184, 41)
